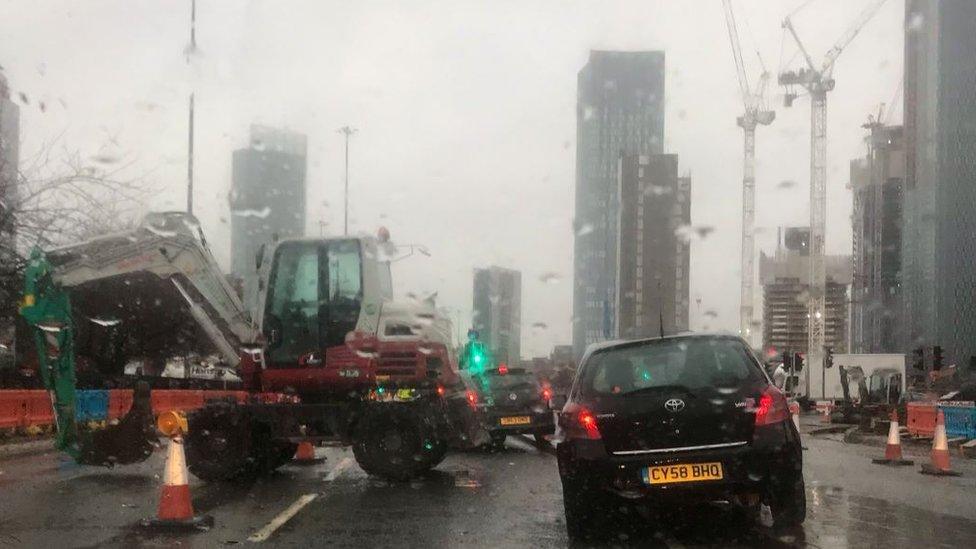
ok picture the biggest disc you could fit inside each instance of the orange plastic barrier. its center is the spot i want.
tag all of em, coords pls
(921, 419)
(13, 408)
(119, 402)
(39, 410)
(165, 400)
(239, 396)
(22, 408)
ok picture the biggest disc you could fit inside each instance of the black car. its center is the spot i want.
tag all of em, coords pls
(513, 401)
(675, 421)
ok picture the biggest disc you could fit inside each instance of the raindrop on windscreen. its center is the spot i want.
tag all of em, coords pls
(257, 144)
(105, 158)
(656, 190)
(704, 230)
(587, 112)
(191, 223)
(105, 322)
(916, 22)
(711, 313)
(786, 184)
(584, 229)
(23, 98)
(249, 212)
(160, 232)
(540, 326)
(549, 277)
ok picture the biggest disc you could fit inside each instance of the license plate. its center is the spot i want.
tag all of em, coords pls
(683, 472)
(516, 420)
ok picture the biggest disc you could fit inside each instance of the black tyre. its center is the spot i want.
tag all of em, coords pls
(218, 445)
(284, 452)
(390, 442)
(436, 453)
(788, 505)
(584, 508)
(498, 439)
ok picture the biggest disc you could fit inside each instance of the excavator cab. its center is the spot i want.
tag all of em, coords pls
(318, 291)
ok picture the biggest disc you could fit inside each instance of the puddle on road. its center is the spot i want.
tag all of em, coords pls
(838, 519)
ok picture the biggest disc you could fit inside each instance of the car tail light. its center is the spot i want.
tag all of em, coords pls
(546, 393)
(579, 422)
(772, 407)
(587, 421)
(502, 369)
(472, 397)
(441, 390)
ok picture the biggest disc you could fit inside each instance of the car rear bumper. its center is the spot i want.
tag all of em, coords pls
(540, 422)
(772, 460)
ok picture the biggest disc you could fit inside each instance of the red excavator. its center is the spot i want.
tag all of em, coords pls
(329, 357)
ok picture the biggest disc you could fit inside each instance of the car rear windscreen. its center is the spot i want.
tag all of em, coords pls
(690, 363)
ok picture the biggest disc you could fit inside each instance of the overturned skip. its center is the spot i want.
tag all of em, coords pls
(286, 515)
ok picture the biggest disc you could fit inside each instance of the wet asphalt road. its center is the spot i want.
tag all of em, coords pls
(510, 498)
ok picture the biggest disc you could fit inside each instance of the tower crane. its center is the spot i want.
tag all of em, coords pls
(817, 80)
(755, 113)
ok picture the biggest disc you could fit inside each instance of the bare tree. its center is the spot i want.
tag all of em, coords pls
(57, 197)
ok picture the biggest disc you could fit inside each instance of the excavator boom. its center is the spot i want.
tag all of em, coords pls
(47, 310)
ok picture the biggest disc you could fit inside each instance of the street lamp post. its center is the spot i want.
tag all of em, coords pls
(189, 161)
(347, 131)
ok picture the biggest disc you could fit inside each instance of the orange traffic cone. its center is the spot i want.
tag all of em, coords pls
(825, 411)
(305, 454)
(175, 508)
(940, 452)
(893, 447)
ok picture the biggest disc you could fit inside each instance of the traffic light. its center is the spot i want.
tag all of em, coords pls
(918, 359)
(937, 358)
(797, 362)
(475, 357)
(828, 357)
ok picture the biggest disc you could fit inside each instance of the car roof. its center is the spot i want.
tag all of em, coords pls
(594, 347)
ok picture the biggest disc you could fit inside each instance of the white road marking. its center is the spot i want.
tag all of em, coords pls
(286, 515)
(338, 469)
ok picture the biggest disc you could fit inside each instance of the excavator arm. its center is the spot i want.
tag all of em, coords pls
(47, 310)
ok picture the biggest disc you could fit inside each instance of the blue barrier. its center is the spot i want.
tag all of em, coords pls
(960, 421)
(91, 405)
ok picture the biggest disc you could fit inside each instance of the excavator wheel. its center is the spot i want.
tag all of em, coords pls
(391, 441)
(218, 444)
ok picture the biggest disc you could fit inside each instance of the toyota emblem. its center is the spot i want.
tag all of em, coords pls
(512, 396)
(674, 405)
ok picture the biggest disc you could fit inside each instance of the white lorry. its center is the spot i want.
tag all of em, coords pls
(861, 378)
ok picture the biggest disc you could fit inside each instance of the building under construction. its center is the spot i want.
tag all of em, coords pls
(877, 181)
(784, 277)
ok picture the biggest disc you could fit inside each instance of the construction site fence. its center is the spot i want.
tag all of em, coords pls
(960, 421)
(960, 418)
(32, 408)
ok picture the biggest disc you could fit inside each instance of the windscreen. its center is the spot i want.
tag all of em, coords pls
(689, 363)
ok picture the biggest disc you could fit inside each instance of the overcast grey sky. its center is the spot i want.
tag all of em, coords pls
(466, 112)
